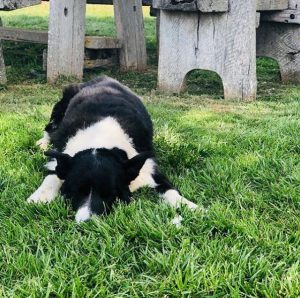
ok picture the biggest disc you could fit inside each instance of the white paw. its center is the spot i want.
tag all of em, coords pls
(173, 198)
(83, 214)
(42, 195)
(43, 143)
(177, 221)
(191, 205)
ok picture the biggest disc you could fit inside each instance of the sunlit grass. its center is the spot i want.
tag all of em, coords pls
(239, 160)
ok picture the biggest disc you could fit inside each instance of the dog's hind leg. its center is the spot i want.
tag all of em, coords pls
(48, 190)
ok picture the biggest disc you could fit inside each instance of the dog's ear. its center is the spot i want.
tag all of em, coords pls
(135, 164)
(64, 162)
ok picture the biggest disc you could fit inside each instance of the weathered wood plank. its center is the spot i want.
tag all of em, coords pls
(130, 31)
(215, 5)
(272, 4)
(35, 36)
(212, 5)
(66, 39)
(214, 42)
(3, 79)
(282, 43)
(192, 5)
(294, 4)
(14, 34)
(290, 16)
(15, 4)
(175, 5)
(144, 2)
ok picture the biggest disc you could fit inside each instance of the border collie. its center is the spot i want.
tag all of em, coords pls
(102, 139)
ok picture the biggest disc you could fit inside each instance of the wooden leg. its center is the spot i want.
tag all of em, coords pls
(281, 42)
(66, 39)
(130, 30)
(3, 79)
(210, 41)
(240, 87)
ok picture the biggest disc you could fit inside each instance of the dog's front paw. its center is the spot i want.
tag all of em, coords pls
(42, 195)
(43, 143)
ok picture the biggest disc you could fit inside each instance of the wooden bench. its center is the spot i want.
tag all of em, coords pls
(220, 35)
(67, 41)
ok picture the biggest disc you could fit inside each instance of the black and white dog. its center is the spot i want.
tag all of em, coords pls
(102, 139)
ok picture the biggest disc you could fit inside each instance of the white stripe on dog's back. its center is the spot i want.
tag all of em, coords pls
(106, 133)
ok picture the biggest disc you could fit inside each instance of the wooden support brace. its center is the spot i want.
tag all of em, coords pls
(66, 39)
(130, 31)
(272, 4)
(194, 5)
(290, 16)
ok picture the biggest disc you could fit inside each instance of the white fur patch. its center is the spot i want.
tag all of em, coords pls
(43, 143)
(51, 165)
(106, 133)
(145, 176)
(47, 191)
(83, 214)
(173, 198)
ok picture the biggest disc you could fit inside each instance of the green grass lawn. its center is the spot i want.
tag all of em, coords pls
(239, 160)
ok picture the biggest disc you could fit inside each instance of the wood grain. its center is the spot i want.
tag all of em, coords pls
(66, 39)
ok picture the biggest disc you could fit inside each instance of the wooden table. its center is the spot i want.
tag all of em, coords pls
(220, 35)
(66, 36)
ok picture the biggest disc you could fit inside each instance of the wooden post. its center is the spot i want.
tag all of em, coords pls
(281, 42)
(130, 31)
(3, 79)
(221, 42)
(66, 39)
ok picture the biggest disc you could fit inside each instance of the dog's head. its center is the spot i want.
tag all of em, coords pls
(97, 177)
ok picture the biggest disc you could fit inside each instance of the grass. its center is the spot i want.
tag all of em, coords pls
(239, 160)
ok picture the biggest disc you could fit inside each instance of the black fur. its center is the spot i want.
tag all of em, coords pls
(98, 99)
(100, 175)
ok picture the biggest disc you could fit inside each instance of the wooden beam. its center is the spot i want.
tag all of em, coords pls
(34, 36)
(144, 2)
(194, 5)
(286, 16)
(14, 34)
(130, 31)
(215, 5)
(212, 5)
(272, 4)
(66, 39)
(15, 4)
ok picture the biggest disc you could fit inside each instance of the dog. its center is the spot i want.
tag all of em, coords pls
(101, 134)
